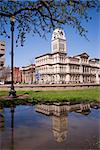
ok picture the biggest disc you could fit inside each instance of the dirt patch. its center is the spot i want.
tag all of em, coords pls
(21, 96)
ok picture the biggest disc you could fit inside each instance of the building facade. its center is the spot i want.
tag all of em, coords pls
(28, 74)
(57, 67)
(2, 58)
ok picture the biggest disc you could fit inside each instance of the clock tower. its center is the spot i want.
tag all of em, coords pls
(58, 43)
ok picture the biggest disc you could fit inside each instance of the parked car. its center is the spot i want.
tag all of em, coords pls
(52, 83)
(1, 83)
(7, 82)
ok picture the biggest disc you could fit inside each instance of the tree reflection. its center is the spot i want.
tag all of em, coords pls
(1, 124)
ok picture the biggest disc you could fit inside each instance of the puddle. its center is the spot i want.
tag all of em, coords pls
(49, 127)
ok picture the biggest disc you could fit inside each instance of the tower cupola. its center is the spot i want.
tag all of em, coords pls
(58, 43)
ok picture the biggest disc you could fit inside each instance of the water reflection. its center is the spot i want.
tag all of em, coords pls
(60, 127)
(12, 109)
(1, 118)
(59, 115)
(62, 108)
(55, 126)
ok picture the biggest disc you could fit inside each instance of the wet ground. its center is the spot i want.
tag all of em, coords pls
(26, 128)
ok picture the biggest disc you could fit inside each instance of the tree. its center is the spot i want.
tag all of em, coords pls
(42, 16)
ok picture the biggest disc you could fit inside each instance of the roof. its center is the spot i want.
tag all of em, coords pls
(50, 54)
(43, 55)
(28, 66)
(95, 59)
(82, 55)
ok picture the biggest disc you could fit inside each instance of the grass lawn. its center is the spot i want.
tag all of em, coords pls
(72, 95)
(83, 95)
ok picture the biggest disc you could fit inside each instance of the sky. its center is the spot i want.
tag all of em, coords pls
(35, 46)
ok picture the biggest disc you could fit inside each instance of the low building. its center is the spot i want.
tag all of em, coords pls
(57, 67)
(28, 74)
(2, 59)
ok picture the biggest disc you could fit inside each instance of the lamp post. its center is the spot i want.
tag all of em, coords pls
(12, 92)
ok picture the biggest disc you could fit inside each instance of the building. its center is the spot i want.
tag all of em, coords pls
(24, 74)
(57, 67)
(17, 75)
(28, 74)
(2, 58)
(2, 54)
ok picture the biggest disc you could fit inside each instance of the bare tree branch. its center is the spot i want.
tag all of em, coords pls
(43, 16)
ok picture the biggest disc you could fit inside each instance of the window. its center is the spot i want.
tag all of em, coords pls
(2, 44)
(55, 46)
(61, 46)
(2, 49)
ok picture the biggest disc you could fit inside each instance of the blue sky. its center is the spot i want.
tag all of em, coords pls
(35, 46)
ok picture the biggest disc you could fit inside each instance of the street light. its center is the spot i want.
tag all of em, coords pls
(12, 92)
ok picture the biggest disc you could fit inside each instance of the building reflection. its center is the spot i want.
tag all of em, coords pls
(59, 115)
(60, 127)
(84, 109)
(59, 118)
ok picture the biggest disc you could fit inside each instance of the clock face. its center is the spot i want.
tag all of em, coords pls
(58, 33)
(61, 33)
